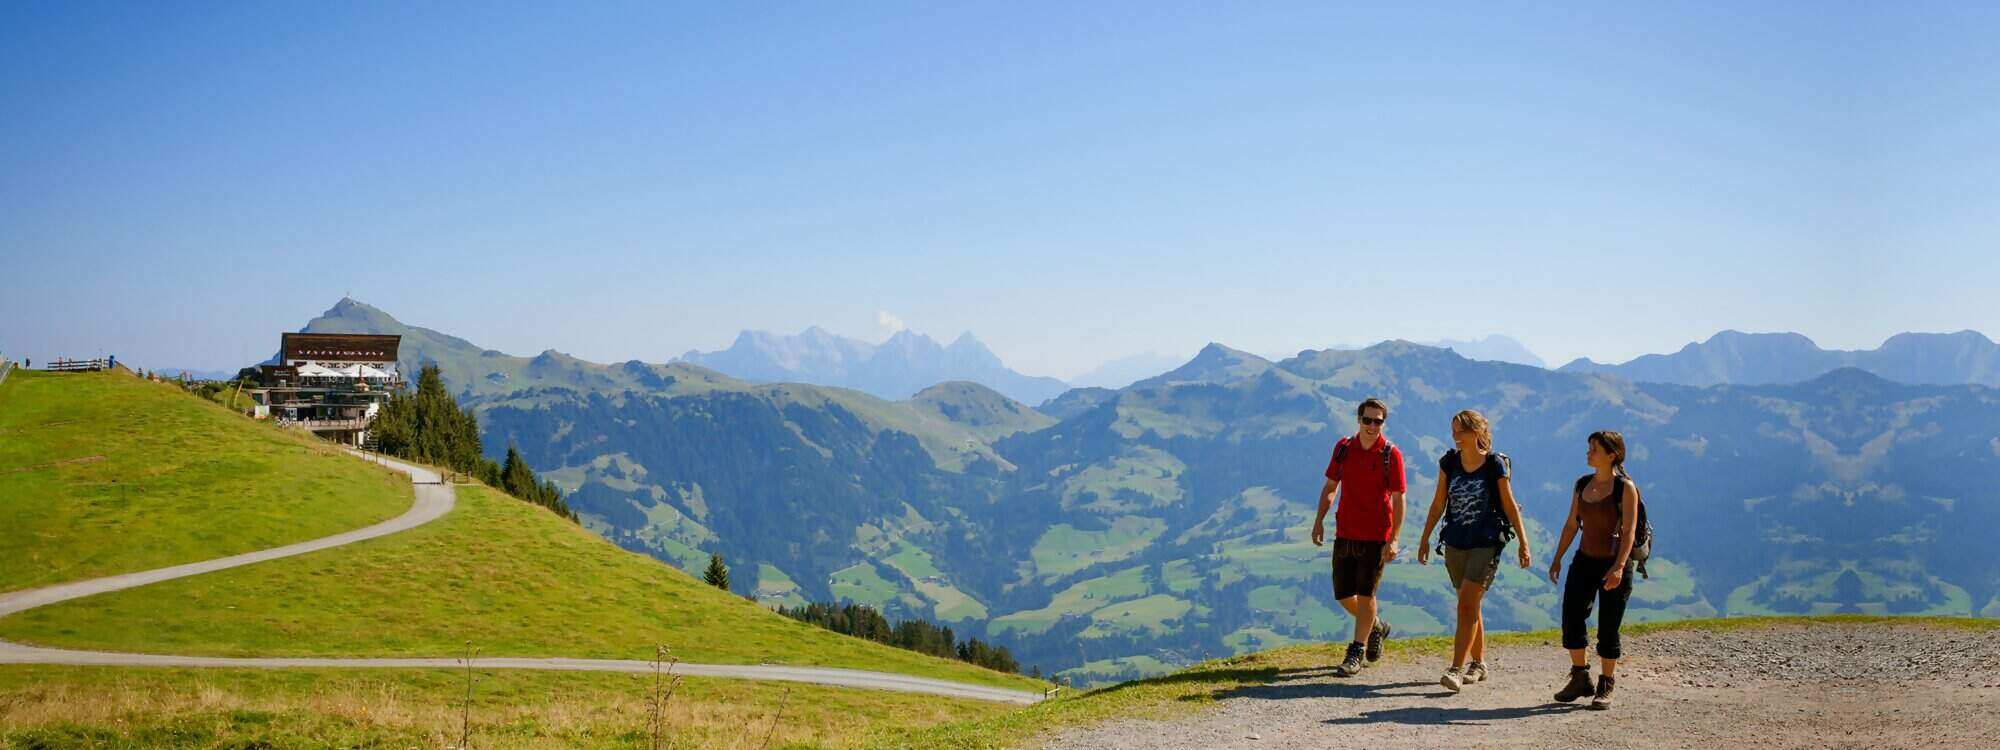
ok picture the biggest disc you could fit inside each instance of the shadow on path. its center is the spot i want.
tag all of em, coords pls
(1297, 690)
(1447, 716)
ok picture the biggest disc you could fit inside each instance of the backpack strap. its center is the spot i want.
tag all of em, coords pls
(1577, 494)
(1507, 530)
(1340, 453)
(1387, 448)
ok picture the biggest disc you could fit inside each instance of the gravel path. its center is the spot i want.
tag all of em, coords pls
(434, 499)
(1789, 686)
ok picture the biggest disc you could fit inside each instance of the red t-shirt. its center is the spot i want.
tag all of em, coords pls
(1362, 512)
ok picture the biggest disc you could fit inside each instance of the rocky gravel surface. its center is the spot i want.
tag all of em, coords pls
(1786, 686)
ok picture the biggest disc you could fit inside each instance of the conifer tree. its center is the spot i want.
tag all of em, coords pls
(718, 574)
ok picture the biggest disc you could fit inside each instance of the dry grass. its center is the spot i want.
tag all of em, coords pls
(105, 707)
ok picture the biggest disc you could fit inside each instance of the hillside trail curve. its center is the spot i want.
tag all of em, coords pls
(434, 498)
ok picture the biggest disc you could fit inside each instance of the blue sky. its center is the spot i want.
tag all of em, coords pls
(1072, 184)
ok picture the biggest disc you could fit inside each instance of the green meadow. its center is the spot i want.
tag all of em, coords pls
(103, 473)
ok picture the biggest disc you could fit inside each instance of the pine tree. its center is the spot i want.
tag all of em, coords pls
(718, 574)
(428, 426)
(516, 478)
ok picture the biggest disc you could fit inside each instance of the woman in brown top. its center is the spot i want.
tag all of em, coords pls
(1605, 508)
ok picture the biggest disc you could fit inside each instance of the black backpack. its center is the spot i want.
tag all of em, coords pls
(1642, 543)
(1340, 452)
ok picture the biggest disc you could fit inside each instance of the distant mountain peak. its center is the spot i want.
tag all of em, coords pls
(966, 341)
(1493, 348)
(1215, 363)
(895, 369)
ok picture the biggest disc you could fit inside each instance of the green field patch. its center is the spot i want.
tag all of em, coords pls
(952, 605)
(948, 603)
(775, 589)
(1294, 610)
(1141, 477)
(1820, 586)
(913, 561)
(1280, 560)
(1252, 639)
(1147, 615)
(1180, 577)
(1409, 619)
(1108, 671)
(1079, 599)
(614, 470)
(1064, 549)
(1257, 508)
(1669, 582)
(862, 583)
(511, 578)
(103, 473)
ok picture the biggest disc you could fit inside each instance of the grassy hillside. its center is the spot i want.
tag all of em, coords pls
(104, 473)
(104, 708)
(512, 578)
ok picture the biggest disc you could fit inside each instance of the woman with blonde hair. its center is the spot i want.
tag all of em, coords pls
(1475, 497)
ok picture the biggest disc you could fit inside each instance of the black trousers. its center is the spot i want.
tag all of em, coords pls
(1585, 587)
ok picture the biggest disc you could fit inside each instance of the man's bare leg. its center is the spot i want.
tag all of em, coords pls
(1362, 609)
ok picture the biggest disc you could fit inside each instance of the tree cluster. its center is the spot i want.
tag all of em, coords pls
(862, 621)
(427, 425)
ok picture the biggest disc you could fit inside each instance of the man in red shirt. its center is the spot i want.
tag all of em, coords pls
(1367, 469)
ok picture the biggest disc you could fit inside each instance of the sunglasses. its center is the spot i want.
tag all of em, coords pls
(1372, 422)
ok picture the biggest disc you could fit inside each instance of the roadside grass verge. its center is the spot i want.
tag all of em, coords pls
(103, 473)
(1189, 690)
(110, 707)
(512, 578)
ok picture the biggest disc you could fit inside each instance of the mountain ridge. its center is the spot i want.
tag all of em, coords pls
(1736, 357)
(895, 369)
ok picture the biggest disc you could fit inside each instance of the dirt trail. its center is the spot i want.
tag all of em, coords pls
(1787, 686)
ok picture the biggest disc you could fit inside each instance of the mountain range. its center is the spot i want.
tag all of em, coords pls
(1127, 370)
(1115, 532)
(1767, 358)
(895, 369)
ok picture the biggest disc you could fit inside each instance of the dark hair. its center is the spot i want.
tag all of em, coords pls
(1613, 444)
(1362, 410)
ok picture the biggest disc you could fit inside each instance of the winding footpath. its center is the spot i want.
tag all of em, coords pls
(434, 499)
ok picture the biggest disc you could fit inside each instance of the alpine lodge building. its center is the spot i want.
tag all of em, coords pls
(330, 383)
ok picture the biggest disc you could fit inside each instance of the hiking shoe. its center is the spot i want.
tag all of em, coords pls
(1376, 636)
(1579, 685)
(1602, 702)
(1351, 665)
(1475, 672)
(1453, 680)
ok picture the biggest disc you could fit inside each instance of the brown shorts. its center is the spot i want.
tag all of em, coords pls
(1357, 567)
(1478, 565)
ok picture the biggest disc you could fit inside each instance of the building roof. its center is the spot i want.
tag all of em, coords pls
(339, 347)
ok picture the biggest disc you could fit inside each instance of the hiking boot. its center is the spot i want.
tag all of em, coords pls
(1453, 679)
(1579, 685)
(1376, 636)
(1475, 672)
(1351, 665)
(1602, 702)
